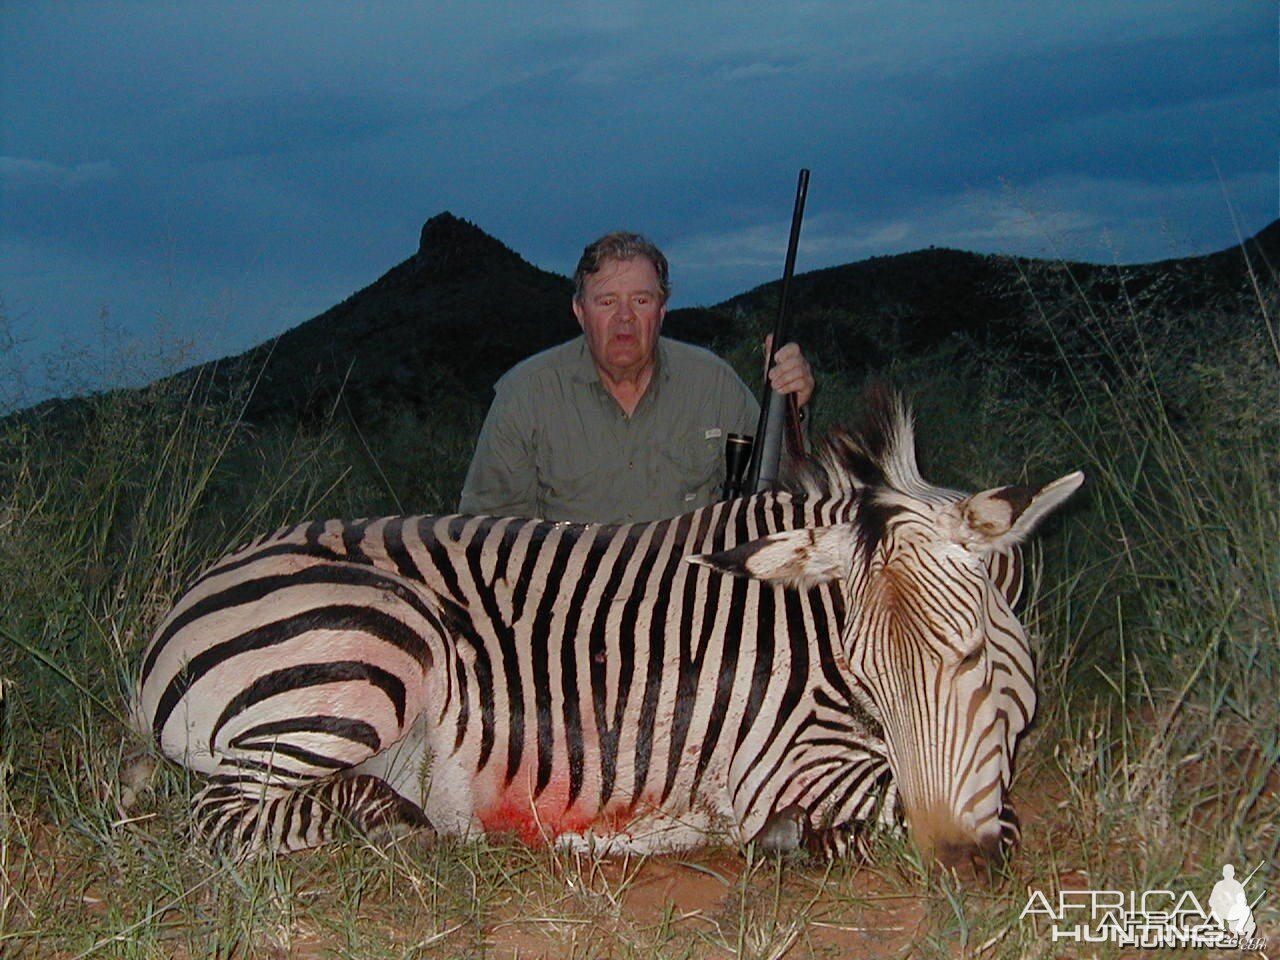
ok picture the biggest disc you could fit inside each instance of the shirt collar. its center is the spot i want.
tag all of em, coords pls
(584, 368)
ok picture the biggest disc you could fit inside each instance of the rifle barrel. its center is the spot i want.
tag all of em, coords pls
(766, 457)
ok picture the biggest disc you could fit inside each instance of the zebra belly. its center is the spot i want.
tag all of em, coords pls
(459, 800)
(621, 825)
(658, 831)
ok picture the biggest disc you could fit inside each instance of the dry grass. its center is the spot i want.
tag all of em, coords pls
(1153, 759)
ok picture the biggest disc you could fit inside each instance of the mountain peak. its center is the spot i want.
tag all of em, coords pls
(451, 246)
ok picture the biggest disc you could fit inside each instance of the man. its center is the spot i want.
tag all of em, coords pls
(621, 424)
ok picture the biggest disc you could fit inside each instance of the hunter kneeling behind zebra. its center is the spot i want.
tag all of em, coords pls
(790, 668)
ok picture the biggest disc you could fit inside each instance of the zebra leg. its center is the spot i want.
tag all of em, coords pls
(848, 841)
(246, 817)
(791, 829)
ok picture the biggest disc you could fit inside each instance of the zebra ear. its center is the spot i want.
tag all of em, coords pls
(797, 558)
(999, 518)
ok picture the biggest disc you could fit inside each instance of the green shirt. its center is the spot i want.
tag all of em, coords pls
(556, 445)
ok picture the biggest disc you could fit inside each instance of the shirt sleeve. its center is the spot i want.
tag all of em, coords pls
(502, 479)
(745, 408)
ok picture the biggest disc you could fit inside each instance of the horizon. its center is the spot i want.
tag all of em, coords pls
(137, 363)
(129, 360)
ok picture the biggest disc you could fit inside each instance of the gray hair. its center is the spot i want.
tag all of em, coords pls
(621, 246)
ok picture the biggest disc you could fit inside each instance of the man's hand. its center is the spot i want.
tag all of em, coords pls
(790, 372)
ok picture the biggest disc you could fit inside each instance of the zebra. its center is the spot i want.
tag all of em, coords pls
(795, 668)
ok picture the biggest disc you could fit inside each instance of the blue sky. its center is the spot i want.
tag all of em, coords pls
(181, 180)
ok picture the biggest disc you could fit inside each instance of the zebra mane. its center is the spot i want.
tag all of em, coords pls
(878, 456)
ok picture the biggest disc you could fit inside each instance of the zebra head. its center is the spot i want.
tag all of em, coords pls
(934, 651)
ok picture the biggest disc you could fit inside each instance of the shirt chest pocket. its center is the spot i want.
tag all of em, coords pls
(696, 467)
(571, 482)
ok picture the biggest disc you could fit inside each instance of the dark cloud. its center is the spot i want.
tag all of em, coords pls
(259, 162)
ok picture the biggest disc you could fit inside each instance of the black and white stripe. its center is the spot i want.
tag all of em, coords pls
(787, 666)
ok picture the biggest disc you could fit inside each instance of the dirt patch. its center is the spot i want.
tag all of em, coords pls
(716, 904)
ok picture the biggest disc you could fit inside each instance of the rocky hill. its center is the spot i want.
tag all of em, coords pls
(868, 313)
(433, 334)
(437, 327)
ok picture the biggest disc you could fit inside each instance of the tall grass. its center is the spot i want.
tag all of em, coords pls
(1174, 730)
(1155, 606)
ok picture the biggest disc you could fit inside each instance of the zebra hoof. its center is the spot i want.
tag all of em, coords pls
(135, 779)
(401, 835)
(789, 830)
(784, 831)
(409, 827)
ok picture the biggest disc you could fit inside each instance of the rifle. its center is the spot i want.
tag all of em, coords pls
(776, 417)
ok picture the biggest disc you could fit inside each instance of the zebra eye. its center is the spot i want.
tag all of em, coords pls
(971, 658)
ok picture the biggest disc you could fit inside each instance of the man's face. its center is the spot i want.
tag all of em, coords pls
(621, 312)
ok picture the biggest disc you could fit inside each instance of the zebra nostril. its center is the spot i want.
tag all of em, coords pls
(981, 861)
